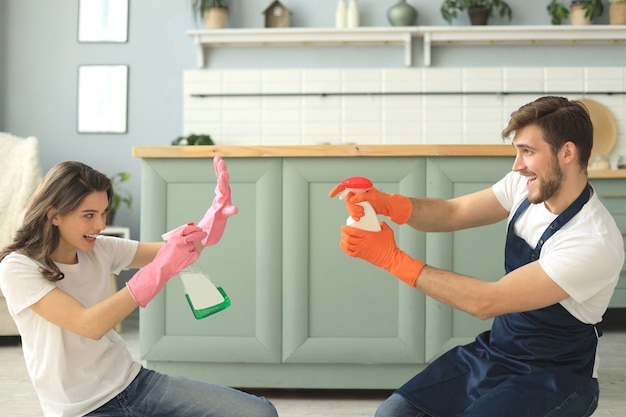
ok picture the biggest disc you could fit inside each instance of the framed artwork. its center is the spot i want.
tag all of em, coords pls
(103, 21)
(102, 98)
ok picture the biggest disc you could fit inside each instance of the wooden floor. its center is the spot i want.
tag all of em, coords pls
(18, 399)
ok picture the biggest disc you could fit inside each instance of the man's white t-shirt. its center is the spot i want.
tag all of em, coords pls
(72, 374)
(584, 257)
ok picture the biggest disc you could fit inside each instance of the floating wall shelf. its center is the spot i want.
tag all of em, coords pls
(302, 37)
(403, 36)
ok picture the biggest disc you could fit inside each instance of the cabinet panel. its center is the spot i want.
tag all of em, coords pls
(612, 192)
(338, 309)
(475, 252)
(246, 262)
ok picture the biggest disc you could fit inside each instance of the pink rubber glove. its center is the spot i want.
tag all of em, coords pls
(214, 220)
(175, 254)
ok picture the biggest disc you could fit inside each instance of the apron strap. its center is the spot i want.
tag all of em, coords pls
(564, 217)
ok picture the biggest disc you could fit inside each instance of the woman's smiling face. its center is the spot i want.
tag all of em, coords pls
(79, 228)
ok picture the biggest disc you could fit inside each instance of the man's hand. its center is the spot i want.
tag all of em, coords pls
(214, 220)
(395, 206)
(379, 248)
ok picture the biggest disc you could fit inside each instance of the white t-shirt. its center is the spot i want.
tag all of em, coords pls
(72, 374)
(584, 257)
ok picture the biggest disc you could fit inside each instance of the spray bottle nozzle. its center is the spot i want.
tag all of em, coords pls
(355, 185)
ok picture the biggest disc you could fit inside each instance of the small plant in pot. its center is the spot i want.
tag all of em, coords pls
(582, 12)
(193, 139)
(213, 12)
(120, 195)
(483, 8)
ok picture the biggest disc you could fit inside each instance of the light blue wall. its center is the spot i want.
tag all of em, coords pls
(39, 57)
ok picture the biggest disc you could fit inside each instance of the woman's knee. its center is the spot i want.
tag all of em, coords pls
(266, 409)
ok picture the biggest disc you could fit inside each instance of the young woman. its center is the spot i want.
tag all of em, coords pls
(55, 278)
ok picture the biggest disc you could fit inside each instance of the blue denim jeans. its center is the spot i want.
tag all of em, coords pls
(582, 403)
(153, 394)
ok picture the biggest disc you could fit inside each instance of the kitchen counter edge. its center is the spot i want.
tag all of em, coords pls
(335, 151)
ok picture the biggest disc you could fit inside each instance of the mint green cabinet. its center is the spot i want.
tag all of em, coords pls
(477, 252)
(247, 263)
(303, 314)
(612, 192)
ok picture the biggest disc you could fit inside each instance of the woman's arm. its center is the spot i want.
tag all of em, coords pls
(60, 308)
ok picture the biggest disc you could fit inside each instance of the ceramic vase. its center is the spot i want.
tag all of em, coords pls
(577, 15)
(215, 17)
(402, 14)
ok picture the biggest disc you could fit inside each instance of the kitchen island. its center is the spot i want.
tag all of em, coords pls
(303, 314)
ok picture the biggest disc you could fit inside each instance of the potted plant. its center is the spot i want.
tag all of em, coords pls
(617, 12)
(120, 195)
(582, 12)
(450, 8)
(193, 139)
(213, 12)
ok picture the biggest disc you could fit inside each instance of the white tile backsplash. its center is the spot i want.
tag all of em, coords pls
(384, 106)
(520, 80)
(564, 80)
(605, 78)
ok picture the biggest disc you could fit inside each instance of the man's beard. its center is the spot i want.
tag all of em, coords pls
(549, 185)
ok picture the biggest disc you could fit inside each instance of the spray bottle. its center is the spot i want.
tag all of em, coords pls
(358, 185)
(203, 296)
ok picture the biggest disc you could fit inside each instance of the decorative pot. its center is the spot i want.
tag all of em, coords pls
(402, 14)
(478, 15)
(577, 15)
(215, 17)
(617, 13)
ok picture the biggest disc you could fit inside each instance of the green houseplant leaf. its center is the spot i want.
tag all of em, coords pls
(558, 11)
(120, 195)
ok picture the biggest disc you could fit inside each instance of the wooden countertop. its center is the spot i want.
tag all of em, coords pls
(331, 151)
(347, 150)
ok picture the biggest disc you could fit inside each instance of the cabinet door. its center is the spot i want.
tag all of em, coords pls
(612, 192)
(477, 252)
(246, 263)
(338, 309)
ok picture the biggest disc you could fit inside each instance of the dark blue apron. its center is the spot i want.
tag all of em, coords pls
(527, 364)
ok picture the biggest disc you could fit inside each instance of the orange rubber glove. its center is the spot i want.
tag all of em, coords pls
(379, 248)
(395, 206)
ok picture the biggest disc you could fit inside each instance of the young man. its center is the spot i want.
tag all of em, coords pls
(563, 257)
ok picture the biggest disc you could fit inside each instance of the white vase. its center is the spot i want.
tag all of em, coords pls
(341, 14)
(353, 14)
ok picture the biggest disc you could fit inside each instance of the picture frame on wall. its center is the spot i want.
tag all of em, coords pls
(103, 21)
(102, 98)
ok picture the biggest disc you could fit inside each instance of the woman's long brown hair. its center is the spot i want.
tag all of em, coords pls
(63, 189)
